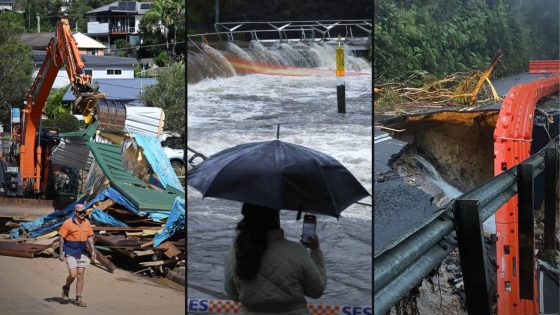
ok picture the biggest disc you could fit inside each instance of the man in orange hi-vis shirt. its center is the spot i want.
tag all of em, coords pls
(75, 235)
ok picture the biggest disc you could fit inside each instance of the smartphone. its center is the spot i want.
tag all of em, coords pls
(309, 229)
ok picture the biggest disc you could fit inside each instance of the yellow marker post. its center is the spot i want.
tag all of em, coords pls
(340, 86)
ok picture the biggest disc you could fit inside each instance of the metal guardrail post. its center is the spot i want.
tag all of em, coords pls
(550, 197)
(525, 226)
(406, 280)
(401, 267)
(472, 253)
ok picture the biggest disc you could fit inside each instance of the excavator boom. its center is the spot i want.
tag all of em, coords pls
(62, 51)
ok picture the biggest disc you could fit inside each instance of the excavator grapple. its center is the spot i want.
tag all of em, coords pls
(95, 107)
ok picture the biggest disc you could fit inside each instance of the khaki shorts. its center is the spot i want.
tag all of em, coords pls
(74, 263)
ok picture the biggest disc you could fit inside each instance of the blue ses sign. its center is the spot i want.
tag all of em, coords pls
(15, 116)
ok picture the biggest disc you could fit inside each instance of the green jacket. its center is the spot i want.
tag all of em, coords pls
(287, 274)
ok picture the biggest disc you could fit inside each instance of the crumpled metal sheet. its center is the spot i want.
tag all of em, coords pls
(109, 159)
(95, 180)
(72, 152)
(145, 120)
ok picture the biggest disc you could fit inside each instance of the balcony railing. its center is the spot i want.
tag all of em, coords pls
(107, 28)
(97, 28)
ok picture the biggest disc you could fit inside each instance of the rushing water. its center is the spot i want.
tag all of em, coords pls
(227, 111)
(210, 63)
(450, 192)
(447, 189)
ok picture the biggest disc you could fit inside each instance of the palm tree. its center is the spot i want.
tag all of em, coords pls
(166, 13)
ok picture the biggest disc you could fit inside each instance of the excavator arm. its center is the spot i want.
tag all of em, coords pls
(62, 51)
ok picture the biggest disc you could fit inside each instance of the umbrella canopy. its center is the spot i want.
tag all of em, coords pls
(278, 175)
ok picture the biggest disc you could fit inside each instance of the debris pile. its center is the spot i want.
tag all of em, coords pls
(457, 89)
(133, 198)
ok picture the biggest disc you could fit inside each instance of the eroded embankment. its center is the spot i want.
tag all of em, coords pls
(458, 144)
(448, 153)
(455, 147)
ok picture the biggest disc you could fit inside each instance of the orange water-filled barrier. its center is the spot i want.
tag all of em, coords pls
(512, 145)
(544, 66)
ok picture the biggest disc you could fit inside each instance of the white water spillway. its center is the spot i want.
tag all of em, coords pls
(206, 62)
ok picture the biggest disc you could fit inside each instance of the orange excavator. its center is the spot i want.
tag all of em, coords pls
(62, 51)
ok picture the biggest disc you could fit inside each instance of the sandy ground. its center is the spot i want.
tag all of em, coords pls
(33, 286)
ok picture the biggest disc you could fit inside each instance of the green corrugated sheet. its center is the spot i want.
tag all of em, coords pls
(84, 133)
(109, 159)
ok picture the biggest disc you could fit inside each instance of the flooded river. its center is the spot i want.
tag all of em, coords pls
(231, 110)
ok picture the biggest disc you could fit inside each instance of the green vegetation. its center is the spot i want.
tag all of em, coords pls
(440, 37)
(15, 64)
(50, 12)
(65, 122)
(165, 22)
(162, 59)
(54, 105)
(169, 95)
(60, 115)
(201, 16)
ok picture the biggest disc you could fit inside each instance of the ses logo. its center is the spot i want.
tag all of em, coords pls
(203, 306)
(356, 310)
(197, 305)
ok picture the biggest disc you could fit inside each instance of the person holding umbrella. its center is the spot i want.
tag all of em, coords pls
(266, 272)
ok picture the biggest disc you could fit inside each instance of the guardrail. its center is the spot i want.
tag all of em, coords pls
(401, 268)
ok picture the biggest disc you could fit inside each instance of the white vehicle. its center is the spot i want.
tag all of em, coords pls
(174, 148)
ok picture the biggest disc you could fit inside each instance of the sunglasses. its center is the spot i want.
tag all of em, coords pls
(81, 212)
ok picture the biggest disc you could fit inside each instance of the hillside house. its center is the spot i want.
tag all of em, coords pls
(99, 67)
(7, 5)
(117, 20)
(86, 44)
(125, 91)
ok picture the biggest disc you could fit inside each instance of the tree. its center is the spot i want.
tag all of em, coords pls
(168, 13)
(15, 64)
(169, 94)
(444, 36)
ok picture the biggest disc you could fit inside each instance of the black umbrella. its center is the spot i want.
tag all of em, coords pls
(278, 175)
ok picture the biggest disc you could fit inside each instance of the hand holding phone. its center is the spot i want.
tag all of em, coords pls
(309, 229)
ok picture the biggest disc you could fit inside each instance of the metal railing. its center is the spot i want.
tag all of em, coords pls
(401, 268)
(302, 30)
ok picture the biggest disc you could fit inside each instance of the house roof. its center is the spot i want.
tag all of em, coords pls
(40, 41)
(4, 2)
(37, 40)
(91, 60)
(85, 41)
(130, 7)
(118, 89)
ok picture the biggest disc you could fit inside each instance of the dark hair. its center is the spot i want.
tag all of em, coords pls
(251, 241)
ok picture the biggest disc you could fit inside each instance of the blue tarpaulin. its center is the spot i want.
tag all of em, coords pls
(116, 196)
(155, 215)
(175, 222)
(98, 216)
(46, 220)
(158, 160)
(54, 220)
